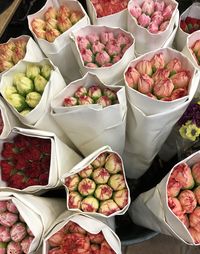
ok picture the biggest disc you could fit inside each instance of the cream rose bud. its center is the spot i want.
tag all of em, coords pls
(181, 79)
(80, 92)
(106, 37)
(14, 248)
(194, 218)
(196, 46)
(196, 172)
(57, 238)
(63, 12)
(187, 200)
(86, 172)
(113, 163)
(157, 17)
(104, 101)
(97, 46)
(135, 10)
(117, 182)
(37, 23)
(18, 232)
(17, 101)
(40, 83)
(32, 70)
(173, 187)
(51, 23)
(197, 194)
(85, 100)
(72, 182)
(100, 160)
(163, 88)
(24, 86)
(74, 200)
(75, 17)
(25, 112)
(111, 94)
(132, 76)
(145, 84)
(26, 243)
(160, 74)
(195, 235)
(86, 186)
(102, 58)
(46, 71)
(148, 7)
(8, 219)
(103, 192)
(94, 92)
(113, 48)
(158, 61)
(108, 207)
(121, 198)
(4, 234)
(63, 24)
(52, 34)
(100, 176)
(51, 12)
(89, 204)
(144, 20)
(144, 67)
(33, 98)
(164, 25)
(3, 206)
(175, 205)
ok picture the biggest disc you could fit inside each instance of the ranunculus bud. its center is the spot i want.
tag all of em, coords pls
(86, 187)
(89, 204)
(32, 70)
(64, 24)
(104, 101)
(8, 219)
(196, 172)
(11, 207)
(100, 176)
(144, 67)
(148, 7)
(83, 43)
(174, 66)
(178, 93)
(51, 23)
(117, 182)
(100, 160)
(52, 34)
(173, 187)
(187, 200)
(113, 48)
(175, 205)
(32, 99)
(26, 243)
(70, 101)
(24, 86)
(63, 12)
(87, 56)
(163, 88)
(196, 46)
(159, 6)
(108, 207)
(46, 71)
(113, 164)
(72, 227)
(167, 12)
(74, 201)
(103, 192)
(17, 101)
(158, 61)
(40, 83)
(85, 100)
(96, 238)
(157, 17)
(50, 13)
(18, 232)
(195, 235)
(132, 76)
(121, 198)
(57, 238)
(163, 26)
(72, 182)
(97, 46)
(86, 172)
(14, 248)
(92, 38)
(111, 94)
(95, 92)
(75, 17)
(197, 194)
(135, 11)
(194, 218)
(106, 37)
(181, 79)
(145, 84)
(3, 206)
(144, 20)
(160, 74)
(153, 28)
(4, 234)
(37, 23)
(102, 58)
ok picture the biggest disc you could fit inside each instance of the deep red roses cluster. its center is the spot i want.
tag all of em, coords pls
(1, 123)
(190, 25)
(26, 161)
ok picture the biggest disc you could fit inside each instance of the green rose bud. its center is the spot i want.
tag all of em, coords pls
(8, 90)
(32, 99)
(25, 111)
(46, 71)
(17, 101)
(32, 70)
(16, 78)
(25, 86)
(40, 83)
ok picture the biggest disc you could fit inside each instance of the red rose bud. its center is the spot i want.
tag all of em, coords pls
(195, 235)
(184, 26)
(100, 176)
(75, 17)
(108, 207)
(144, 20)
(6, 170)
(105, 248)
(89, 204)
(87, 56)
(164, 26)
(102, 58)
(64, 24)
(57, 238)
(52, 34)
(144, 67)
(3, 206)
(11, 207)
(197, 194)
(3, 248)
(8, 219)
(158, 61)
(80, 92)
(175, 205)
(148, 7)
(50, 13)
(173, 187)
(97, 46)
(117, 182)
(145, 84)
(106, 37)
(26, 243)
(1, 123)
(96, 238)
(94, 92)
(196, 46)
(72, 182)
(135, 11)
(18, 232)
(86, 186)
(132, 76)
(163, 88)
(63, 12)
(9, 150)
(167, 12)
(181, 79)
(85, 100)
(75, 243)
(100, 160)
(70, 101)
(17, 181)
(157, 18)
(14, 248)
(104, 101)
(111, 94)
(4, 234)
(194, 219)
(121, 198)
(187, 200)
(103, 192)
(74, 201)
(86, 172)
(72, 227)
(196, 172)
(113, 164)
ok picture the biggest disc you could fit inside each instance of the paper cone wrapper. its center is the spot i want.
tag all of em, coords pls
(62, 160)
(38, 213)
(181, 36)
(118, 19)
(90, 127)
(151, 210)
(84, 163)
(60, 51)
(142, 35)
(109, 75)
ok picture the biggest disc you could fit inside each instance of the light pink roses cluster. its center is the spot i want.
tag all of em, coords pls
(183, 192)
(11, 52)
(92, 95)
(100, 187)
(152, 15)
(196, 51)
(73, 239)
(104, 49)
(55, 22)
(159, 79)
(15, 235)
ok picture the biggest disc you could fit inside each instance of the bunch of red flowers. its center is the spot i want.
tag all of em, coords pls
(1, 123)
(26, 161)
(190, 25)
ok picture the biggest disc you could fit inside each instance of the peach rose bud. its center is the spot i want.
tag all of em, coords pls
(167, 12)
(196, 172)
(113, 164)
(92, 38)
(103, 192)
(94, 92)
(181, 79)
(187, 200)
(57, 238)
(135, 11)
(80, 92)
(11, 207)
(108, 207)
(86, 186)
(26, 243)
(196, 46)
(74, 201)
(144, 67)
(72, 182)
(64, 24)
(145, 84)
(75, 17)
(153, 28)
(51, 23)
(52, 34)
(72, 227)
(178, 93)
(194, 218)
(3, 206)
(121, 198)
(70, 101)
(159, 6)
(14, 248)
(117, 182)
(158, 61)
(87, 56)
(175, 205)
(132, 77)
(102, 58)
(85, 100)
(50, 13)
(197, 194)
(104, 101)
(106, 37)
(37, 23)
(89, 204)
(160, 74)
(97, 46)
(144, 20)
(174, 66)
(40, 33)
(173, 187)
(18, 232)
(163, 26)
(86, 172)
(163, 88)
(100, 176)
(4, 234)
(100, 160)
(63, 12)
(157, 18)
(96, 238)
(148, 7)
(8, 219)
(195, 235)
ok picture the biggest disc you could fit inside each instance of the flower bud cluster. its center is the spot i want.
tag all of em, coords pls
(190, 24)
(196, 51)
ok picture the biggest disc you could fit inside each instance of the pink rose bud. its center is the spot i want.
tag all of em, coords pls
(113, 48)
(174, 66)
(57, 238)
(111, 94)
(52, 34)
(83, 43)
(160, 74)
(187, 200)
(116, 58)
(196, 172)
(167, 12)
(96, 238)
(178, 93)
(158, 61)
(4, 234)
(194, 218)
(80, 92)
(106, 37)
(26, 243)
(104, 101)
(30, 233)
(175, 205)
(51, 23)
(87, 56)
(74, 201)
(148, 7)
(135, 11)
(37, 23)
(3, 248)
(181, 79)
(145, 84)
(11, 207)
(105, 248)
(151, 96)
(184, 219)
(70, 101)
(72, 182)
(85, 100)
(94, 92)
(92, 38)
(50, 13)
(100, 176)
(63, 12)
(144, 67)
(121, 198)
(182, 173)
(173, 187)
(86, 187)
(102, 58)
(163, 26)
(113, 163)
(157, 18)
(196, 46)
(3, 206)
(163, 88)
(72, 227)
(153, 28)
(144, 20)
(8, 219)
(91, 65)
(89, 204)
(64, 24)
(18, 232)
(159, 6)
(100, 160)
(86, 172)
(108, 207)
(197, 194)
(117, 182)
(14, 248)
(122, 40)
(103, 192)
(132, 77)
(125, 48)
(97, 46)
(195, 235)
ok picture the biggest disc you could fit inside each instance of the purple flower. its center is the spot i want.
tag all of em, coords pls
(192, 113)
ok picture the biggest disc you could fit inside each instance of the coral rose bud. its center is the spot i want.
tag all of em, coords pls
(50, 13)
(97, 46)
(153, 28)
(173, 187)
(75, 17)
(117, 182)
(144, 67)
(132, 77)
(195, 235)
(103, 192)
(104, 101)
(178, 93)
(102, 58)
(32, 99)
(113, 163)
(72, 227)
(74, 201)
(85, 100)
(80, 92)
(159, 6)
(121, 198)
(8, 219)
(92, 38)
(100, 176)
(158, 61)
(3, 247)
(148, 7)
(105, 248)
(144, 20)
(194, 218)
(14, 248)
(72, 182)
(175, 205)
(57, 238)
(196, 46)
(157, 18)
(95, 92)
(86, 186)
(86, 172)
(106, 37)
(4, 234)
(89, 204)
(167, 12)
(63, 12)
(37, 23)
(145, 84)
(52, 34)
(26, 243)
(135, 11)
(100, 160)
(18, 232)
(163, 26)
(113, 48)
(174, 66)
(64, 24)
(111, 94)
(197, 194)
(3, 205)
(163, 88)
(196, 172)
(11, 207)
(160, 74)
(187, 200)
(70, 101)
(108, 207)
(96, 238)
(87, 56)
(181, 79)
(51, 23)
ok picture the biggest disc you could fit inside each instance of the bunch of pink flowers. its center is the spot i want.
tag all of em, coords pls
(183, 192)
(159, 79)
(196, 51)
(15, 235)
(152, 15)
(104, 49)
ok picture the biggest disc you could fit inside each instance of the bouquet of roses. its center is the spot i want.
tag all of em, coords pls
(104, 51)
(51, 27)
(33, 161)
(79, 233)
(172, 206)
(97, 185)
(155, 86)
(24, 219)
(89, 119)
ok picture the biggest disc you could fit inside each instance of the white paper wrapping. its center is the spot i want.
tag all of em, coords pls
(118, 19)
(109, 75)
(38, 213)
(60, 51)
(181, 37)
(144, 40)
(84, 163)
(149, 121)
(90, 127)
(90, 224)
(151, 210)
(62, 160)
